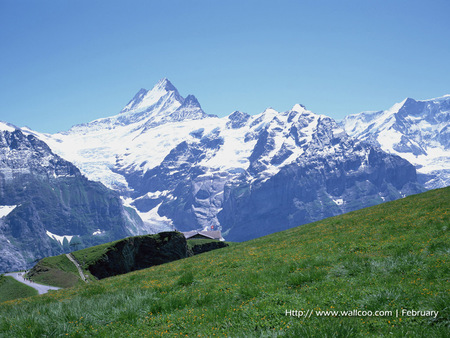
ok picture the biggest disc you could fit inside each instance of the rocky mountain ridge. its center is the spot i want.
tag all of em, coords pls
(418, 131)
(247, 175)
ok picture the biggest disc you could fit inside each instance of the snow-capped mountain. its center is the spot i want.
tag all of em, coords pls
(46, 204)
(246, 175)
(418, 131)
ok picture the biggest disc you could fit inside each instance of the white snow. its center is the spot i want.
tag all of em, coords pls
(157, 96)
(58, 238)
(97, 232)
(298, 108)
(338, 201)
(421, 128)
(6, 127)
(154, 220)
(156, 194)
(438, 99)
(5, 210)
(388, 138)
(234, 152)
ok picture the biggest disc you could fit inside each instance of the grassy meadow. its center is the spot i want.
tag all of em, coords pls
(391, 257)
(12, 289)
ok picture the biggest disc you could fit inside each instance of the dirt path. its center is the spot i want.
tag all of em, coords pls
(80, 271)
(39, 287)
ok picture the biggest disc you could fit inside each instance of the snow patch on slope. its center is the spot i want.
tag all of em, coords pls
(153, 222)
(338, 201)
(5, 210)
(58, 238)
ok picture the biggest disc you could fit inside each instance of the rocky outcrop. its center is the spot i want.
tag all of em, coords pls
(200, 247)
(140, 252)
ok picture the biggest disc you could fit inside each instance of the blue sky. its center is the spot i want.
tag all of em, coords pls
(64, 62)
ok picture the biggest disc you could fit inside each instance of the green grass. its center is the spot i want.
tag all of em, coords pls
(388, 257)
(56, 271)
(12, 289)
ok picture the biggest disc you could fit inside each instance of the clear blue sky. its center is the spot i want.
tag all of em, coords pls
(64, 62)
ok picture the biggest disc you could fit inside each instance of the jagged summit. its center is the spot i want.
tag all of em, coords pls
(145, 100)
(149, 109)
(191, 101)
(237, 119)
(165, 84)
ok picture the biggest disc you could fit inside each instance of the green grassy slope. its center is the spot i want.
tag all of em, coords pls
(12, 289)
(56, 271)
(390, 257)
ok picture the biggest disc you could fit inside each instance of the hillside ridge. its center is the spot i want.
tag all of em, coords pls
(391, 258)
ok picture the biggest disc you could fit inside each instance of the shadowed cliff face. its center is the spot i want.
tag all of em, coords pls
(141, 252)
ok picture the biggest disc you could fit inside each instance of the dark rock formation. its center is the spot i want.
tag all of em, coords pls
(199, 248)
(140, 252)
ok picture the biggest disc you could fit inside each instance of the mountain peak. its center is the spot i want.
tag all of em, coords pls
(409, 100)
(165, 84)
(191, 101)
(147, 98)
(298, 108)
